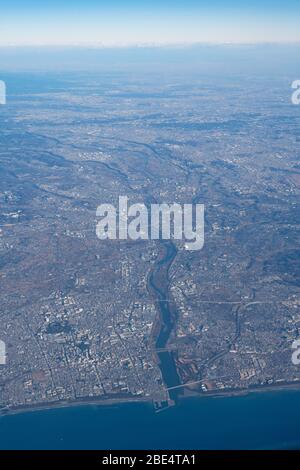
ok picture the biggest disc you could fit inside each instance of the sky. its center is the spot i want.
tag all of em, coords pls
(130, 22)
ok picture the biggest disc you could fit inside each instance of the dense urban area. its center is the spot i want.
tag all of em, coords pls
(89, 320)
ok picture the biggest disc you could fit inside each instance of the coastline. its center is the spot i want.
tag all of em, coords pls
(90, 402)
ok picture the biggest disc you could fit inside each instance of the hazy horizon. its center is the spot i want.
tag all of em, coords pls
(197, 58)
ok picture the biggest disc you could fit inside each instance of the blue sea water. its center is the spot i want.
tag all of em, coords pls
(257, 421)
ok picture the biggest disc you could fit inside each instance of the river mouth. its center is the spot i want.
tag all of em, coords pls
(158, 284)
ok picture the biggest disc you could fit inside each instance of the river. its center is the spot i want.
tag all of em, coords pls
(158, 284)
